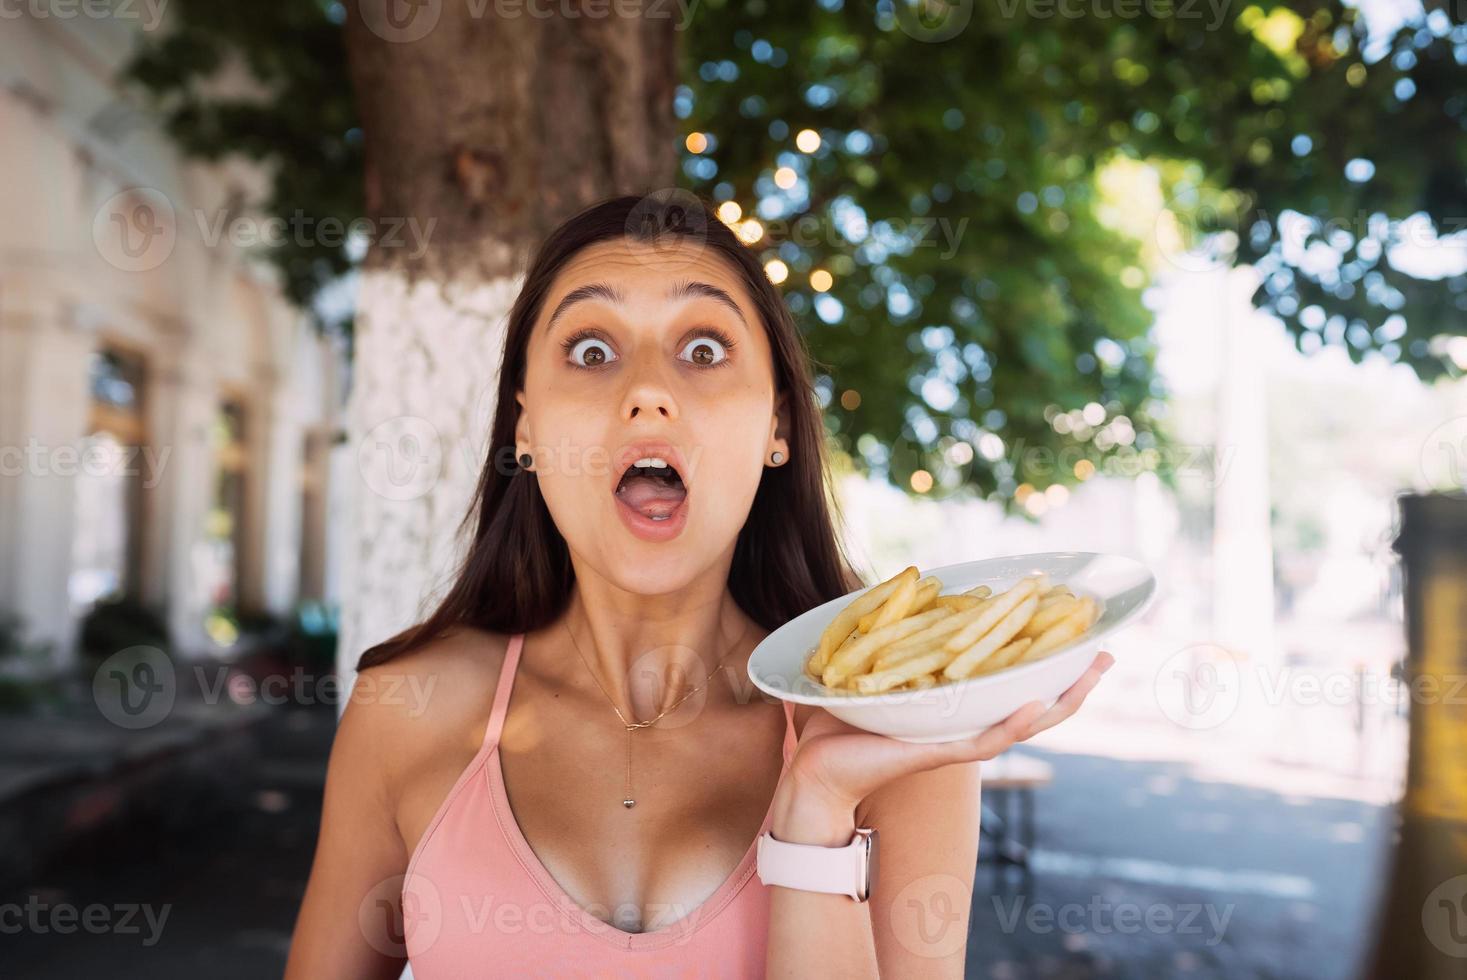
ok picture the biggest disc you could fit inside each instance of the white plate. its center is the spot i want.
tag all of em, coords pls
(956, 710)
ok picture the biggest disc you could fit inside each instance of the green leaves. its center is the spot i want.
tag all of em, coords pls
(1001, 131)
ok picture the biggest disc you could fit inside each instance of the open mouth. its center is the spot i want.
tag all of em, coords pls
(652, 487)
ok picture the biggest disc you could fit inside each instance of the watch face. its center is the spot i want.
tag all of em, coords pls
(871, 852)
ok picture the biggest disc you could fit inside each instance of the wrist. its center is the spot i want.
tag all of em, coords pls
(803, 815)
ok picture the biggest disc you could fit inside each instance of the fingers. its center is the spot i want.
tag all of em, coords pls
(1070, 701)
(991, 741)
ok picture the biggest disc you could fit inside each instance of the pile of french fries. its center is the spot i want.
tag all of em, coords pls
(904, 634)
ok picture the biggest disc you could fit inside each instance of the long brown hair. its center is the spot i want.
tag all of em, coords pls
(516, 575)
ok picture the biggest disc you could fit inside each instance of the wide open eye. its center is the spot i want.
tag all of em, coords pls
(705, 351)
(591, 352)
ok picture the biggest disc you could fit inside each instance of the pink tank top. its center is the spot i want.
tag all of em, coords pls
(477, 902)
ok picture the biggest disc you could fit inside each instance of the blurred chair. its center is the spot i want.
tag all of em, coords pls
(1007, 831)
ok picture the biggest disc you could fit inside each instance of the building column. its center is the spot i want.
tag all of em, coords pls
(162, 405)
(260, 421)
(283, 455)
(43, 450)
(191, 472)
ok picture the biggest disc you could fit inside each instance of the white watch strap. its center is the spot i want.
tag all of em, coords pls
(837, 870)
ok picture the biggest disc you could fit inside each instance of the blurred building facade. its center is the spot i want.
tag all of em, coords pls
(167, 418)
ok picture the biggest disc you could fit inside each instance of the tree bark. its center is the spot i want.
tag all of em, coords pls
(485, 125)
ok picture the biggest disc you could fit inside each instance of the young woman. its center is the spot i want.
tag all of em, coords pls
(654, 503)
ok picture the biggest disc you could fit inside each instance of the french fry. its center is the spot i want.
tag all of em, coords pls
(1005, 656)
(856, 657)
(1067, 629)
(1050, 611)
(927, 590)
(845, 621)
(989, 614)
(897, 605)
(979, 592)
(810, 663)
(817, 665)
(902, 604)
(965, 663)
(884, 680)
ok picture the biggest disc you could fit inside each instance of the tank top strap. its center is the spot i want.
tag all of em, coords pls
(502, 690)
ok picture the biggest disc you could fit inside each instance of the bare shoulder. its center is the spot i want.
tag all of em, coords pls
(427, 704)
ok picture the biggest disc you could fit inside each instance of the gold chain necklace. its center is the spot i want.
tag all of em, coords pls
(628, 800)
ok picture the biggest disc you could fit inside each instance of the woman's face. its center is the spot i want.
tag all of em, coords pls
(651, 353)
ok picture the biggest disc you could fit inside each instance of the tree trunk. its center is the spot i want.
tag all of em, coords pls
(483, 129)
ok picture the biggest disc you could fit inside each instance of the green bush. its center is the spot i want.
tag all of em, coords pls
(22, 690)
(116, 624)
(313, 635)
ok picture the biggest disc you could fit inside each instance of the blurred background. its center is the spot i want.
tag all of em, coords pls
(1180, 280)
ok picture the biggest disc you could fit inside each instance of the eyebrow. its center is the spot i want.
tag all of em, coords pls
(610, 294)
(685, 290)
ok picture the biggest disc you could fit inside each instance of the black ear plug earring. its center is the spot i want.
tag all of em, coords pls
(525, 461)
(776, 457)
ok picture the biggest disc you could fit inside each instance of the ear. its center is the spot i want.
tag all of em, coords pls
(522, 421)
(779, 428)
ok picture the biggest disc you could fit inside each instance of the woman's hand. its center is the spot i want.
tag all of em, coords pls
(837, 765)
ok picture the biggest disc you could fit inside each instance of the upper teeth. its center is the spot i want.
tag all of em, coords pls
(650, 461)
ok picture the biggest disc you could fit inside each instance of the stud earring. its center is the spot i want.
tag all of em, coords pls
(776, 457)
(525, 461)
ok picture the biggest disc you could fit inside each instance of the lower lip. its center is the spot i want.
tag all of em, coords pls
(649, 530)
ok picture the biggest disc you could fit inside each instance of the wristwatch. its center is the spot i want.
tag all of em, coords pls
(848, 870)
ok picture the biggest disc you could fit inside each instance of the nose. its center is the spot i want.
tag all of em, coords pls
(648, 394)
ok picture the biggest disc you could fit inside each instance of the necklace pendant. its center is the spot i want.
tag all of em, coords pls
(629, 803)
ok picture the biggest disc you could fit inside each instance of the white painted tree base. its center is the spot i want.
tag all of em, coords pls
(425, 370)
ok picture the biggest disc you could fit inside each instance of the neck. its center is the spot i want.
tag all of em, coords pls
(648, 651)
